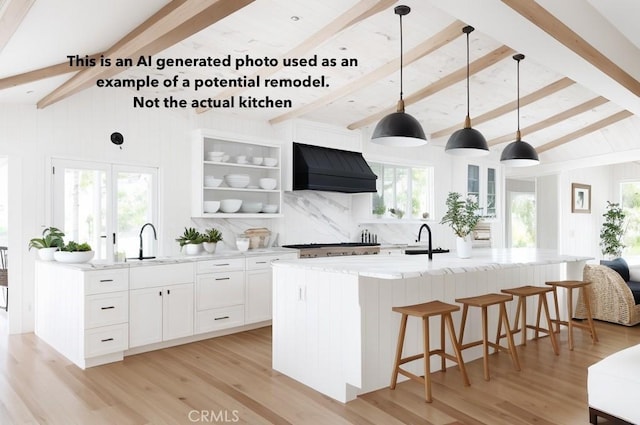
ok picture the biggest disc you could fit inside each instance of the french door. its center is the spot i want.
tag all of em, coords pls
(105, 205)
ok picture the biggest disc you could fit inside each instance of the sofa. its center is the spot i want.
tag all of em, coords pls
(611, 387)
(615, 296)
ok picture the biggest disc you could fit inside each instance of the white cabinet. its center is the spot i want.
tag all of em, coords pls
(161, 305)
(220, 287)
(258, 286)
(83, 314)
(240, 156)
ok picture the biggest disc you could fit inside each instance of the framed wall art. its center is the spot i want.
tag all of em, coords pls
(580, 198)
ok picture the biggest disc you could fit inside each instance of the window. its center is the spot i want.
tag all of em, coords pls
(473, 181)
(104, 205)
(409, 189)
(630, 202)
(491, 192)
(482, 185)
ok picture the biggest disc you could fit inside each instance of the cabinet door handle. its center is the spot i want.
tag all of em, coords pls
(221, 318)
(107, 308)
(160, 293)
(261, 262)
(168, 291)
(223, 278)
(107, 340)
(221, 264)
(106, 280)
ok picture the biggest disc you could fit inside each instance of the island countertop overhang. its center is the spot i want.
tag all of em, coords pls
(409, 266)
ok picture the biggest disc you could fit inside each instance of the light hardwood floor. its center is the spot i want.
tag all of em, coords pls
(230, 380)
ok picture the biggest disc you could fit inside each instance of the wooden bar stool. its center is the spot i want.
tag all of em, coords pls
(522, 293)
(484, 301)
(425, 311)
(570, 285)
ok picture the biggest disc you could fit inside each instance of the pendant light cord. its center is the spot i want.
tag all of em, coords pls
(401, 62)
(518, 101)
(468, 75)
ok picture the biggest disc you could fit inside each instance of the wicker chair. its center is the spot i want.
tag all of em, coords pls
(611, 298)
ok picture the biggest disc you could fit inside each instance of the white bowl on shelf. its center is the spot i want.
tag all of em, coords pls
(230, 205)
(251, 207)
(237, 180)
(211, 181)
(214, 156)
(270, 208)
(268, 183)
(257, 160)
(211, 206)
(270, 162)
(225, 158)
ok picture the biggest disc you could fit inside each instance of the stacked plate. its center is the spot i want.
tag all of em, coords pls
(214, 156)
(237, 180)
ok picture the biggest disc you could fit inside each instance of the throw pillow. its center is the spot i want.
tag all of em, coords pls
(618, 265)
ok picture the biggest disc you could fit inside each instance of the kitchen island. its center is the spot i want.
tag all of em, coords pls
(333, 325)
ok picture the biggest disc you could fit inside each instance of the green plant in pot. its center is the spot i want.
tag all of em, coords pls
(190, 240)
(210, 239)
(50, 242)
(462, 216)
(73, 252)
(612, 231)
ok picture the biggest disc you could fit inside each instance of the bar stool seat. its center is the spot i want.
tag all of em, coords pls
(522, 293)
(570, 285)
(483, 302)
(425, 311)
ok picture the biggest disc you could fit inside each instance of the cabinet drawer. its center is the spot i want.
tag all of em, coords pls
(106, 309)
(223, 264)
(100, 282)
(106, 340)
(219, 289)
(160, 275)
(264, 262)
(219, 318)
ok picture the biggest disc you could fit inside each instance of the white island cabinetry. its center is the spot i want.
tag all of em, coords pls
(83, 314)
(161, 305)
(259, 277)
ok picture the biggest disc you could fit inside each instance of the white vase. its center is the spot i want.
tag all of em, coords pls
(210, 247)
(463, 246)
(46, 254)
(192, 248)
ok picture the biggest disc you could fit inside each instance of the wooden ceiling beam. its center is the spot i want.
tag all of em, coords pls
(40, 74)
(11, 15)
(548, 90)
(359, 12)
(173, 23)
(442, 38)
(584, 131)
(544, 20)
(460, 74)
(548, 122)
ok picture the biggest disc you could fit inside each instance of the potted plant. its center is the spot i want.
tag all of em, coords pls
(191, 240)
(74, 252)
(210, 239)
(612, 231)
(50, 242)
(378, 206)
(462, 216)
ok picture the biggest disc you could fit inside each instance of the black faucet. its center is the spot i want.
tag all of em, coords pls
(430, 252)
(155, 236)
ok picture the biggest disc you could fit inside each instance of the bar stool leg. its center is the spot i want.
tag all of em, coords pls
(463, 322)
(485, 344)
(427, 351)
(443, 363)
(557, 307)
(587, 301)
(456, 348)
(522, 301)
(570, 317)
(543, 302)
(403, 330)
(512, 345)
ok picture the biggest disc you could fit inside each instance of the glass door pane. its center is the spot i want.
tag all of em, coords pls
(135, 205)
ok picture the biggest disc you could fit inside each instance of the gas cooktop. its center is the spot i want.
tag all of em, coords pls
(312, 250)
(330, 245)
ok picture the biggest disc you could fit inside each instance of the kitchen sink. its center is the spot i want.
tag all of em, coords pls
(420, 251)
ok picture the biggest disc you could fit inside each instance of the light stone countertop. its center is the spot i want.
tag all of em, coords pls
(107, 265)
(408, 266)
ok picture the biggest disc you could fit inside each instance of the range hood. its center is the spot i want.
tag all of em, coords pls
(333, 170)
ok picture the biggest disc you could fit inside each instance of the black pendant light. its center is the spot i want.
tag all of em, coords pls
(519, 153)
(399, 128)
(467, 141)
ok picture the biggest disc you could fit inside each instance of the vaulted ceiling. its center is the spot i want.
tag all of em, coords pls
(579, 82)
